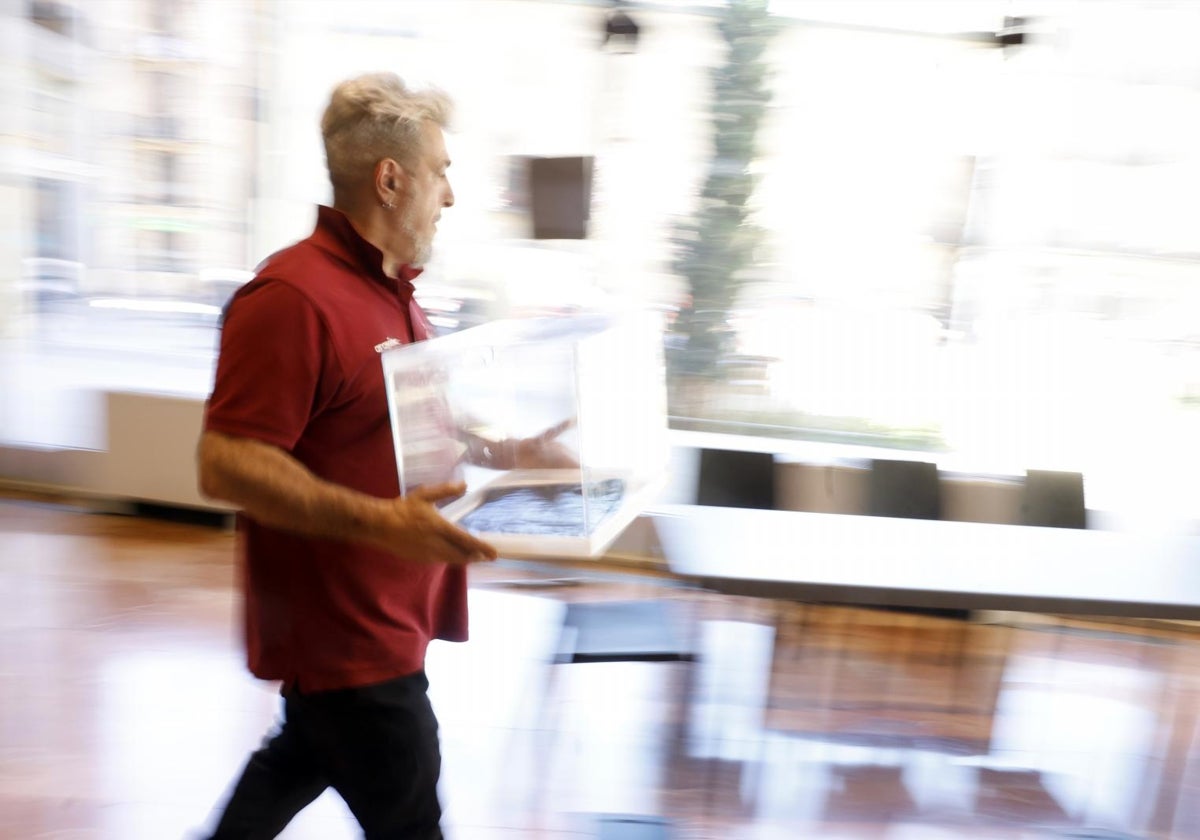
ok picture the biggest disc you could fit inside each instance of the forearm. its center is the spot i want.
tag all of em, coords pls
(272, 487)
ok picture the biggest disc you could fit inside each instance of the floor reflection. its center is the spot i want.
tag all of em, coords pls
(125, 710)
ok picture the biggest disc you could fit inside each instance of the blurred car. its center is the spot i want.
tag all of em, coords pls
(452, 308)
(48, 281)
(217, 285)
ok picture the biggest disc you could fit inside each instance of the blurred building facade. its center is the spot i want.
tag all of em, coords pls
(133, 151)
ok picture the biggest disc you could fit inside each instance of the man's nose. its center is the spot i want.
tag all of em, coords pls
(448, 198)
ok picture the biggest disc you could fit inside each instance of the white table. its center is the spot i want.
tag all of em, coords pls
(879, 561)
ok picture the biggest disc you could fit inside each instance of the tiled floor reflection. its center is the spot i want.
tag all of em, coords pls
(125, 710)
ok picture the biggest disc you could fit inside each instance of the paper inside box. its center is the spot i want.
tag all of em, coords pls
(544, 512)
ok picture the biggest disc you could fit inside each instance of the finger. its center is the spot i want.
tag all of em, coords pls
(481, 550)
(461, 547)
(470, 544)
(556, 430)
(437, 492)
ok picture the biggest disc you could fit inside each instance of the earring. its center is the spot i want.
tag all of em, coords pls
(387, 205)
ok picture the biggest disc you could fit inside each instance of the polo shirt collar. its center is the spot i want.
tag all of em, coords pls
(335, 234)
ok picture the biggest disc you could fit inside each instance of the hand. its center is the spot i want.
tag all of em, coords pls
(544, 451)
(413, 528)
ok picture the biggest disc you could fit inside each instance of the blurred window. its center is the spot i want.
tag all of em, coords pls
(989, 252)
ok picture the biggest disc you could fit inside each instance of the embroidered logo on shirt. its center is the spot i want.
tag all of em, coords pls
(387, 344)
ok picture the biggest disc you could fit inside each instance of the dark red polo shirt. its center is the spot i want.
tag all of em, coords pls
(299, 369)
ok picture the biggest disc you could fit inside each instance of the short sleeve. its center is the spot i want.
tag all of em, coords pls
(272, 362)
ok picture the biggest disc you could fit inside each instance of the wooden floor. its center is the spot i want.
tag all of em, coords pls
(125, 710)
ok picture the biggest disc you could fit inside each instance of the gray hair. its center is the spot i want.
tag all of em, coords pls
(373, 117)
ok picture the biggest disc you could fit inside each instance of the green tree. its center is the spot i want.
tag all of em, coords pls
(716, 248)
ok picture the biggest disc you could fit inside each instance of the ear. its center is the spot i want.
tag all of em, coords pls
(389, 181)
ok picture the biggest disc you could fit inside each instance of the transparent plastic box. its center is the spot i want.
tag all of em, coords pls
(592, 387)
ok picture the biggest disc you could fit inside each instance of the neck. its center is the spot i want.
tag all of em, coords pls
(373, 224)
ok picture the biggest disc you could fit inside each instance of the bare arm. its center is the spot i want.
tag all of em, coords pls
(277, 490)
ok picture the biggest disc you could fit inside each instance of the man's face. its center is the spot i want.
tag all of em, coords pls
(429, 191)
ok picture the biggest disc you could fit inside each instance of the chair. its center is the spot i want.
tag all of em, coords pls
(632, 827)
(730, 478)
(1053, 499)
(657, 629)
(663, 629)
(909, 490)
(905, 489)
(645, 630)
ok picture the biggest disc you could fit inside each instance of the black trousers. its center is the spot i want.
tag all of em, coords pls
(377, 746)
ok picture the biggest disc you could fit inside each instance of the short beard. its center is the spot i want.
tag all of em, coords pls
(422, 247)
